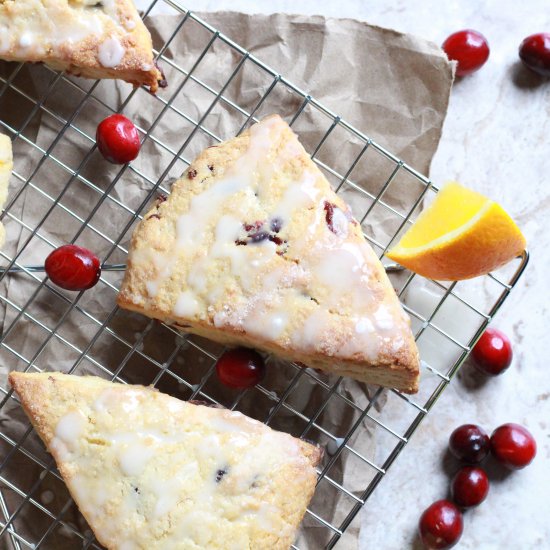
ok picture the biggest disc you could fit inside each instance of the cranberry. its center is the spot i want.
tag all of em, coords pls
(72, 267)
(470, 486)
(440, 525)
(469, 443)
(253, 227)
(259, 236)
(240, 368)
(256, 233)
(277, 240)
(493, 352)
(118, 139)
(276, 224)
(513, 445)
(469, 48)
(534, 51)
(329, 214)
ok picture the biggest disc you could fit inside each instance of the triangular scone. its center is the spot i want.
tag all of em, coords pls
(150, 472)
(89, 38)
(253, 247)
(6, 165)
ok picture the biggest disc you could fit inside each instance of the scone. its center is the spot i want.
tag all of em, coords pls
(150, 472)
(253, 247)
(89, 38)
(6, 166)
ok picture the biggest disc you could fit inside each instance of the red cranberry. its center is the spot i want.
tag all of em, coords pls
(493, 352)
(276, 224)
(469, 48)
(240, 368)
(259, 236)
(470, 486)
(72, 267)
(534, 51)
(440, 525)
(513, 445)
(118, 139)
(329, 214)
(469, 443)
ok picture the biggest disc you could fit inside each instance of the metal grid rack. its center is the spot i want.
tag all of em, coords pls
(41, 320)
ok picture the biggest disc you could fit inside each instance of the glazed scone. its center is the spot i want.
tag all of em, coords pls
(151, 472)
(253, 247)
(6, 166)
(89, 38)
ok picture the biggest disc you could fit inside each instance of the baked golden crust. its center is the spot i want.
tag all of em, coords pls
(151, 472)
(253, 247)
(89, 38)
(6, 165)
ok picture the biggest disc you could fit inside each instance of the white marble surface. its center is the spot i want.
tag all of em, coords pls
(496, 140)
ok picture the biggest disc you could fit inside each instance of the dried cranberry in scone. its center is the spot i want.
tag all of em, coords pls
(337, 220)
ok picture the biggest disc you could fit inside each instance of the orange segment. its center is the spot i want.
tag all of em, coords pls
(461, 235)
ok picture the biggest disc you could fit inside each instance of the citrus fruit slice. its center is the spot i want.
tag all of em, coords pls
(461, 235)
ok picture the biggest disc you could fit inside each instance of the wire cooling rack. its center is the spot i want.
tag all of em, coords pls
(41, 321)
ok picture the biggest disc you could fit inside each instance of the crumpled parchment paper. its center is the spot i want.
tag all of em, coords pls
(392, 86)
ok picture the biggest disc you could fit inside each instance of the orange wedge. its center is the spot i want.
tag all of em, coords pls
(461, 235)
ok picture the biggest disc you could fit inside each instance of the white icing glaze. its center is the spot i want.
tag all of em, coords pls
(301, 195)
(187, 305)
(196, 277)
(314, 330)
(269, 325)
(152, 288)
(131, 401)
(134, 457)
(111, 52)
(364, 324)
(26, 40)
(340, 271)
(101, 404)
(383, 318)
(366, 344)
(240, 257)
(59, 448)
(340, 223)
(191, 227)
(69, 428)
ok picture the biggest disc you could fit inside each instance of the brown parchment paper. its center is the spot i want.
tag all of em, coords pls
(394, 87)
